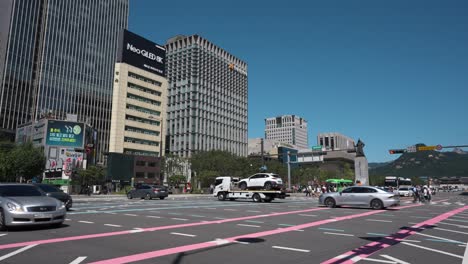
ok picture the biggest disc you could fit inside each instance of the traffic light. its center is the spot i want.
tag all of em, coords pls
(397, 151)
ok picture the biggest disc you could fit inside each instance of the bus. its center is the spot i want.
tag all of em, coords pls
(393, 181)
(340, 184)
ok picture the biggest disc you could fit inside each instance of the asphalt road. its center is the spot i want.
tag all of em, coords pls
(204, 230)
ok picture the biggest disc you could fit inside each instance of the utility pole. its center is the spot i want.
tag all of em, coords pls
(263, 152)
(289, 171)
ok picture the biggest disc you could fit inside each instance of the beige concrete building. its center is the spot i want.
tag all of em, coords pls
(138, 112)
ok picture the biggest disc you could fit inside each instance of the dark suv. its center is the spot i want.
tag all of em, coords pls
(148, 192)
(53, 191)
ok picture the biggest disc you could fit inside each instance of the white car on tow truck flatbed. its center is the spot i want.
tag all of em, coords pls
(226, 187)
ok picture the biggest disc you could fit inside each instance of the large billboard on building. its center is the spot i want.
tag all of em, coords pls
(141, 53)
(65, 134)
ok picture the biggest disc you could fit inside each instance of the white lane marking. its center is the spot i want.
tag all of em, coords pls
(179, 219)
(78, 260)
(307, 215)
(449, 230)
(378, 220)
(399, 261)
(433, 250)
(137, 230)
(2, 234)
(86, 222)
(465, 258)
(462, 217)
(182, 234)
(460, 226)
(131, 214)
(66, 219)
(252, 211)
(230, 209)
(241, 242)
(210, 208)
(410, 240)
(337, 234)
(248, 225)
(153, 216)
(111, 213)
(292, 249)
(441, 238)
(112, 225)
(253, 221)
(16, 252)
(380, 261)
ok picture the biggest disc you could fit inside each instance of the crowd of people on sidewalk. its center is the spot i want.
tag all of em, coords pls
(421, 194)
(314, 190)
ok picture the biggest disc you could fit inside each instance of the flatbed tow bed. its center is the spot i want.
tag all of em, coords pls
(226, 190)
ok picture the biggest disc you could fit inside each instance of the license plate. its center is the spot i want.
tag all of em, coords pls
(42, 216)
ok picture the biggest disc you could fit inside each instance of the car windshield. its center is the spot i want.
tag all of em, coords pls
(19, 190)
(48, 188)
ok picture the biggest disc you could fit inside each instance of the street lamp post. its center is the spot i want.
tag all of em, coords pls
(289, 171)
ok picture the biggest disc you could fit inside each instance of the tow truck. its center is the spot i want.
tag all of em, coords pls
(226, 189)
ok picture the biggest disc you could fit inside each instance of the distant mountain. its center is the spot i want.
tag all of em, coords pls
(425, 163)
(373, 165)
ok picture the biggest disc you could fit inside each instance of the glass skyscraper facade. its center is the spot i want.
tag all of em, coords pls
(207, 98)
(57, 57)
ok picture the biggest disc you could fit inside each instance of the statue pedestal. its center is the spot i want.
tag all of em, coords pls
(361, 170)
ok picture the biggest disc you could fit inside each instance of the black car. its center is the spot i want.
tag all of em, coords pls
(148, 192)
(53, 191)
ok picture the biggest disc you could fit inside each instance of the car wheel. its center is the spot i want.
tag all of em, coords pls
(148, 196)
(162, 198)
(243, 186)
(376, 204)
(2, 221)
(129, 196)
(330, 202)
(221, 196)
(268, 186)
(256, 198)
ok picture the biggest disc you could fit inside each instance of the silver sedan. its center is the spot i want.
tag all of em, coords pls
(25, 204)
(362, 196)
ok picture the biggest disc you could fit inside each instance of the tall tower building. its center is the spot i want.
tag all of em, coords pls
(207, 98)
(56, 58)
(288, 129)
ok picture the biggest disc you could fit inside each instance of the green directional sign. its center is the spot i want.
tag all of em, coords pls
(317, 148)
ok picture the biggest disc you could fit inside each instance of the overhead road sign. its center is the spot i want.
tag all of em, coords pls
(317, 148)
(426, 148)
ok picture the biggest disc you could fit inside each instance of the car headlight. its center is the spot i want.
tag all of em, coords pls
(13, 207)
(61, 206)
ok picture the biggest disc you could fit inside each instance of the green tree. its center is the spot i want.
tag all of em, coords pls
(176, 180)
(26, 161)
(348, 173)
(93, 175)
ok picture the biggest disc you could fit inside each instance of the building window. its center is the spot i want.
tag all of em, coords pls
(141, 163)
(143, 78)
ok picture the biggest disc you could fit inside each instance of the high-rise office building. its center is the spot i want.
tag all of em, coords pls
(335, 141)
(140, 98)
(207, 98)
(56, 58)
(289, 129)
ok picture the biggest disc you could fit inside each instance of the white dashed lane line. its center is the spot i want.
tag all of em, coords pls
(86, 222)
(78, 260)
(292, 249)
(248, 225)
(433, 250)
(230, 209)
(337, 234)
(16, 252)
(307, 215)
(130, 214)
(182, 234)
(112, 225)
(378, 220)
(253, 211)
(153, 216)
(2, 235)
(179, 219)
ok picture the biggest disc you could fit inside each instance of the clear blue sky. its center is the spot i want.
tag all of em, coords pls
(393, 73)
